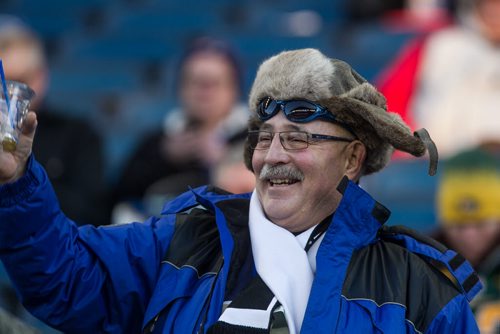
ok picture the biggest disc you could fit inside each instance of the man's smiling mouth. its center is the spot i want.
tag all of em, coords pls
(280, 182)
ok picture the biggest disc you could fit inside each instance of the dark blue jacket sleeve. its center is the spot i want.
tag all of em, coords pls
(456, 317)
(79, 280)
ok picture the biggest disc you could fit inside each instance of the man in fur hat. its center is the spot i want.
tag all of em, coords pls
(305, 252)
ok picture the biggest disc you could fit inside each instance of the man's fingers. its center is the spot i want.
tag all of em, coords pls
(29, 125)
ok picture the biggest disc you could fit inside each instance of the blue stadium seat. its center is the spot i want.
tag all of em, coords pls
(408, 191)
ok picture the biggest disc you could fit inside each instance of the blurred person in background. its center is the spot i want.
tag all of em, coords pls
(449, 81)
(69, 149)
(194, 136)
(230, 173)
(468, 206)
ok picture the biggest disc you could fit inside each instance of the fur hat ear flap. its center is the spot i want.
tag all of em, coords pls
(380, 131)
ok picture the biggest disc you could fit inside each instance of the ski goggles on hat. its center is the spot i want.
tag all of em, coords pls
(298, 111)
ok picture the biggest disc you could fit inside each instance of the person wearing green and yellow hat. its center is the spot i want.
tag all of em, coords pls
(468, 209)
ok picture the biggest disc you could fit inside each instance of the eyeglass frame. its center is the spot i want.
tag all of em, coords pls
(320, 112)
(308, 142)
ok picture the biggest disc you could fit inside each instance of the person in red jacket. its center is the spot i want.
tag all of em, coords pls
(447, 80)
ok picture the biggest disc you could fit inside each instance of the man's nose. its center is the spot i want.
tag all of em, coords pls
(276, 152)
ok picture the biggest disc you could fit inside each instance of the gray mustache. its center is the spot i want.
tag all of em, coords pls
(280, 172)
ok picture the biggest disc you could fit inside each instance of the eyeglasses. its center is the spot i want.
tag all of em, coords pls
(299, 111)
(290, 140)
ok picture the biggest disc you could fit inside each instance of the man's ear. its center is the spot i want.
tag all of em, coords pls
(355, 158)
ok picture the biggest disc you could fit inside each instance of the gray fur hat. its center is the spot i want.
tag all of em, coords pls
(308, 74)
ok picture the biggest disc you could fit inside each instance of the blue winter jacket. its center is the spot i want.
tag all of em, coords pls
(172, 273)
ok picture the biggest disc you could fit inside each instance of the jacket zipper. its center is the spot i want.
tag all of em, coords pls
(219, 265)
(150, 327)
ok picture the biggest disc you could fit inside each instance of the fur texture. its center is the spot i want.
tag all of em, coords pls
(287, 76)
(332, 83)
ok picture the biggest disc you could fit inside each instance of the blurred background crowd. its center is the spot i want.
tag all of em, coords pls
(138, 99)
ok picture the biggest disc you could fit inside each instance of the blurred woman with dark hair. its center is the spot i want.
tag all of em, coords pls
(195, 135)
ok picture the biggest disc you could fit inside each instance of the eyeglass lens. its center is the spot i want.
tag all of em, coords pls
(290, 140)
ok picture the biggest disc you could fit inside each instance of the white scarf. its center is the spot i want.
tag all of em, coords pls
(282, 263)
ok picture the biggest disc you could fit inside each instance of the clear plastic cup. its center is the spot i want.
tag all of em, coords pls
(13, 114)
